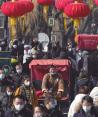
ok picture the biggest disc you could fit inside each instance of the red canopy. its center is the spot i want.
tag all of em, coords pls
(40, 67)
(87, 42)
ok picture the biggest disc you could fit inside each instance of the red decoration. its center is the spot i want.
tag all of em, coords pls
(87, 42)
(60, 4)
(45, 2)
(77, 10)
(96, 2)
(16, 9)
(28, 5)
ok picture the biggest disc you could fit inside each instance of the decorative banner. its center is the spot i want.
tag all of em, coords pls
(87, 42)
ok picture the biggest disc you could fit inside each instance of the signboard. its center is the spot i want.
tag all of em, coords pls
(51, 21)
(87, 42)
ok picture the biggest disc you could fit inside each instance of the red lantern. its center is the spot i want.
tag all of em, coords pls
(44, 2)
(60, 4)
(16, 9)
(13, 9)
(96, 2)
(77, 10)
(28, 5)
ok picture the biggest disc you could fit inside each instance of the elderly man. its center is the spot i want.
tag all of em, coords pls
(53, 83)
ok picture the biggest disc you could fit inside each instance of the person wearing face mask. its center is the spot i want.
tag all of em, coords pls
(88, 109)
(2, 76)
(18, 109)
(19, 69)
(38, 112)
(18, 76)
(70, 51)
(7, 99)
(6, 70)
(5, 80)
(8, 80)
(52, 83)
(51, 107)
(28, 91)
(3, 45)
(27, 53)
(14, 49)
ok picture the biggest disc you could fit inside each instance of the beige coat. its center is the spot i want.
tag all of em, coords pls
(53, 83)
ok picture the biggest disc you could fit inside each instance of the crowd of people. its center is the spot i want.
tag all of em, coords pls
(18, 97)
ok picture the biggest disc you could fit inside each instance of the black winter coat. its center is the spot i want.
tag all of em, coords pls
(53, 113)
(6, 102)
(23, 113)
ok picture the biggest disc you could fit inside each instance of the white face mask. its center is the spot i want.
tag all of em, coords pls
(2, 42)
(9, 93)
(87, 108)
(52, 104)
(69, 49)
(0, 48)
(34, 56)
(2, 76)
(38, 114)
(19, 107)
(19, 71)
(27, 83)
(80, 53)
(14, 46)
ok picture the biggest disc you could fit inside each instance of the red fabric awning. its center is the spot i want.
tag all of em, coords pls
(87, 42)
(49, 62)
(40, 67)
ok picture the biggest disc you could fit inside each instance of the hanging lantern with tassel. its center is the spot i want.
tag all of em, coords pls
(60, 5)
(77, 11)
(14, 9)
